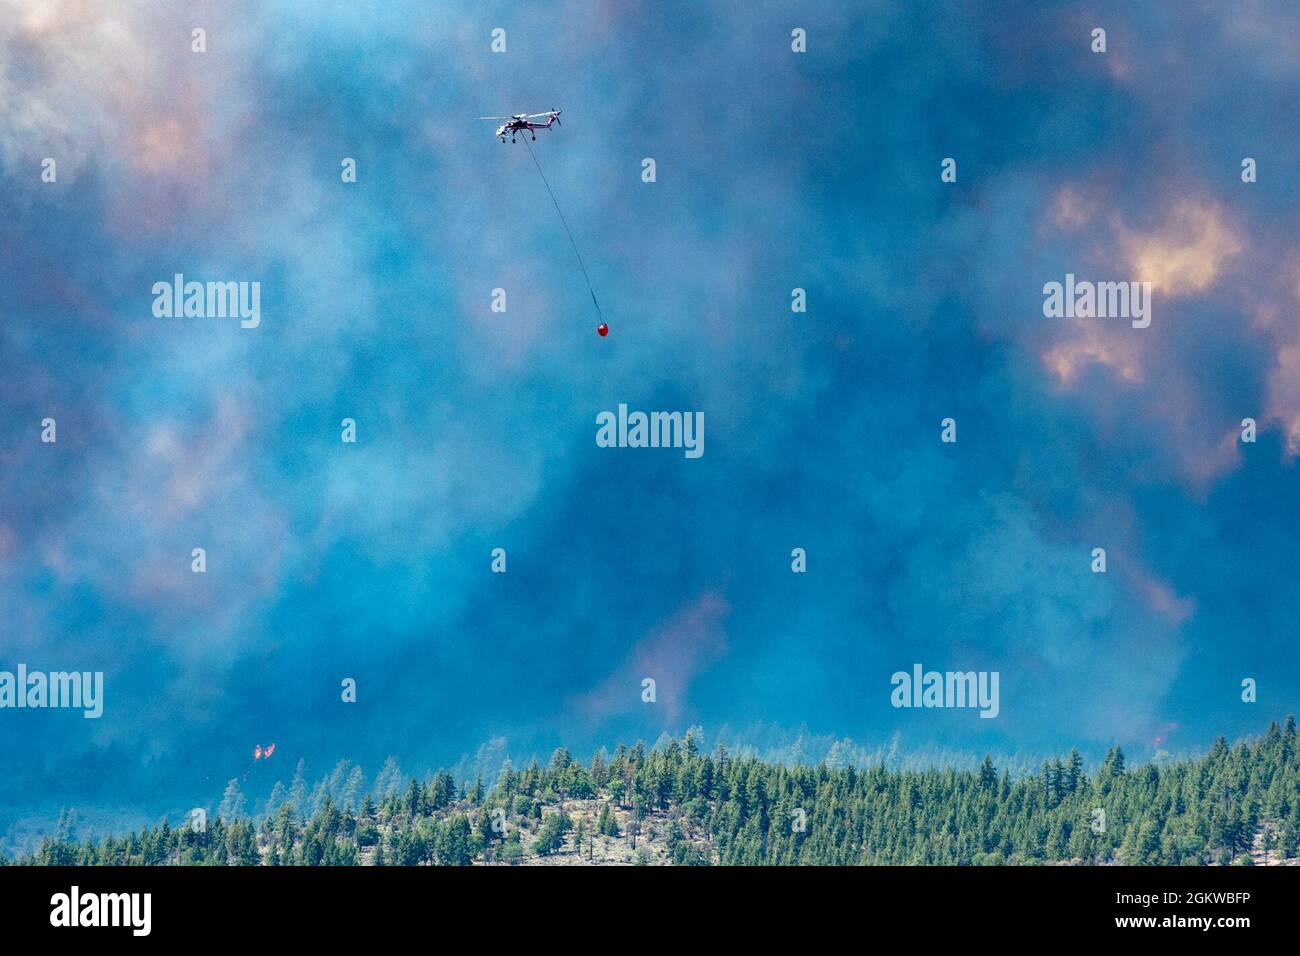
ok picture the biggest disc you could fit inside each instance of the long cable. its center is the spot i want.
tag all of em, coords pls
(581, 265)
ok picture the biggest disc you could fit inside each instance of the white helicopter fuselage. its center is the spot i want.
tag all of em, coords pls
(521, 124)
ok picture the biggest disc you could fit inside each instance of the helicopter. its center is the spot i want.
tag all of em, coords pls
(520, 123)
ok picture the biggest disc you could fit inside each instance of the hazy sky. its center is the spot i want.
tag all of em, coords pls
(476, 430)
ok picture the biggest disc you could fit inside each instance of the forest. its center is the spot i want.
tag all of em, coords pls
(674, 804)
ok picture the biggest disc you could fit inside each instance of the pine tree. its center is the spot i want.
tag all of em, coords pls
(232, 803)
(581, 832)
(1073, 771)
(454, 849)
(550, 836)
(988, 774)
(389, 780)
(298, 789)
(353, 789)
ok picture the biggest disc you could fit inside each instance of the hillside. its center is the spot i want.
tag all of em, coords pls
(676, 805)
